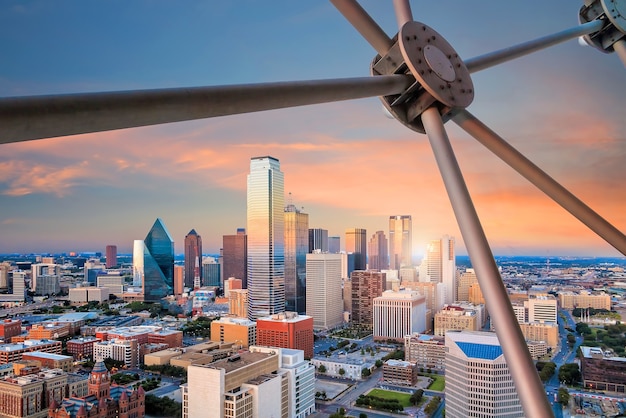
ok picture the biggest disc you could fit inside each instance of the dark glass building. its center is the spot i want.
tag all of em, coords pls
(193, 253)
(235, 256)
(158, 263)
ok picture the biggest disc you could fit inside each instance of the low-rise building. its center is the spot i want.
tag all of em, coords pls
(397, 372)
(81, 347)
(602, 371)
(240, 331)
(13, 352)
(50, 360)
(426, 351)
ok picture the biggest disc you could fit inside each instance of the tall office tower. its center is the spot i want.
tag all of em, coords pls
(193, 252)
(238, 302)
(179, 280)
(323, 295)
(334, 245)
(377, 250)
(466, 280)
(235, 256)
(366, 285)
(5, 267)
(318, 240)
(347, 265)
(296, 249)
(478, 380)
(153, 263)
(398, 313)
(211, 275)
(356, 243)
(266, 238)
(439, 266)
(542, 308)
(400, 241)
(40, 270)
(111, 255)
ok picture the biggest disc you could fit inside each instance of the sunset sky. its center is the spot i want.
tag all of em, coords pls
(345, 163)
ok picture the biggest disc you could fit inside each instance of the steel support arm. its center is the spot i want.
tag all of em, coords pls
(519, 361)
(364, 24)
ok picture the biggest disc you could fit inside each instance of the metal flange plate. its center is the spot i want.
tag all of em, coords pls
(436, 65)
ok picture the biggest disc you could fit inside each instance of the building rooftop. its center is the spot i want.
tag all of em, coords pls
(26, 344)
(49, 356)
(240, 360)
(480, 351)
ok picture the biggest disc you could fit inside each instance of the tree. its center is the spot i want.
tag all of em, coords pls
(342, 372)
(379, 363)
(321, 369)
(366, 372)
(416, 397)
(563, 396)
(569, 373)
(362, 415)
(571, 339)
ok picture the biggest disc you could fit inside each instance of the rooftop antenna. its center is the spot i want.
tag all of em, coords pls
(421, 81)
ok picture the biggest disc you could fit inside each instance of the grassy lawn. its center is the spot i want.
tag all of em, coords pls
(438, 384)
(403, 398)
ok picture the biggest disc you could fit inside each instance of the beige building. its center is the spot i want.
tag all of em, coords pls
(426, 351)
(397, 314)
(50, 360)
(238, 302)
(240, 331)
(324, 300)
(366, 285)
(466, 279)
(585, 299)
(476, 294)
(536, 331)
(456, 318)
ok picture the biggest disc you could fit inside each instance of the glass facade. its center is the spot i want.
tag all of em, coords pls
(400, 241)
(193, 254)
(296, 249)
(266, 238)
(158, 263)
(356, 243)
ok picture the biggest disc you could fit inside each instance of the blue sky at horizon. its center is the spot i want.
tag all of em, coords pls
(345, 163)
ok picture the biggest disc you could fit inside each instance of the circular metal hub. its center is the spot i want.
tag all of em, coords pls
(436, 65)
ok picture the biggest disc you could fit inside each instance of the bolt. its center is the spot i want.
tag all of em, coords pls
(414, 36)
(408, 38)
(441, 87)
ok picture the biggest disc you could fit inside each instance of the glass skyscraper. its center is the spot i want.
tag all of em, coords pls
(193, 252)
(400, 241)
(296, 249)
(153, 263)
(356, 243)
(266, 238)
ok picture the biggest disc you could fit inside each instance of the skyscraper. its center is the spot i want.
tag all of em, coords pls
(356, 243)
(439, 266)
(266, 238)
(318, 240)
(377, 250)
(111, 254)
(478, 380)
(235, 256)
(366, 285)
(324, 295)
(193, 252)
(153, 263)
(296, 249)
(334, 244)
(400, 241)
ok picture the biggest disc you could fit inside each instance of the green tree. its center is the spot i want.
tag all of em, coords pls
(569, 373)
(416, 397)
(321, 369)
(366, 372)
(563, 396)
(571, 338)
(342, 372)
(362, 415)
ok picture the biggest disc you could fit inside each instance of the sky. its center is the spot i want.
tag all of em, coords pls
(346, 164)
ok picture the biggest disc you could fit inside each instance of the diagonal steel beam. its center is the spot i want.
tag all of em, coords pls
(540, 179)
(518, 359)
(36, 117)
(364, 24)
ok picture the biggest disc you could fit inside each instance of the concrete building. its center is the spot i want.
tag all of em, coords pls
(50, 360)
(397, 314)
(238, 303)
(111, 256)
(10, 328)
(324, 295)
(13, 352)
(232, 283)
(82, 347)
(240, 331)
(426, 351)
(398, 372)
(439, 266)
(602, 371)
(478, 381)
(536, 331)
(366, 285)
(251, 384)
(81, 295)
(542, 308)
(126, 351)
(456, 318)
(585, 299)
(286, 330)
(466, 279)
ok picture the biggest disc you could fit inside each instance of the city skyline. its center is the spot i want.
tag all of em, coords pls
(346, 163)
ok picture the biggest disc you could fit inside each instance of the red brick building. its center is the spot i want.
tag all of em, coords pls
(286, 330)
(10, 328)
(172, 338)
(81, 347)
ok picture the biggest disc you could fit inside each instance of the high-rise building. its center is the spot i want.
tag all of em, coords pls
(366, 285)
(318, 240)
(334, 244)
(41, 270)
(111, 256)
(266, 238)
(466, 280)
(324, 302)
(235, 256)
(378, 258)
(179, 280)
(193, 252)
(238, 302)
(296, 249)
(356, 243)
(478, 380)
(542, 308)
(400, 241)
(231, 284)
(211, 272)
(397, 314)
(439, 266)
(286, 330)
(153, 263)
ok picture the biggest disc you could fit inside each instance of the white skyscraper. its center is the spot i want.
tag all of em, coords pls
(397, 314)
(323, 292)
(439, 266)
(266, 239)
(478, 380)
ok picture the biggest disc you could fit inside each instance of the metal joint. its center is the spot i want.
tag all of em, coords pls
(613, 14)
